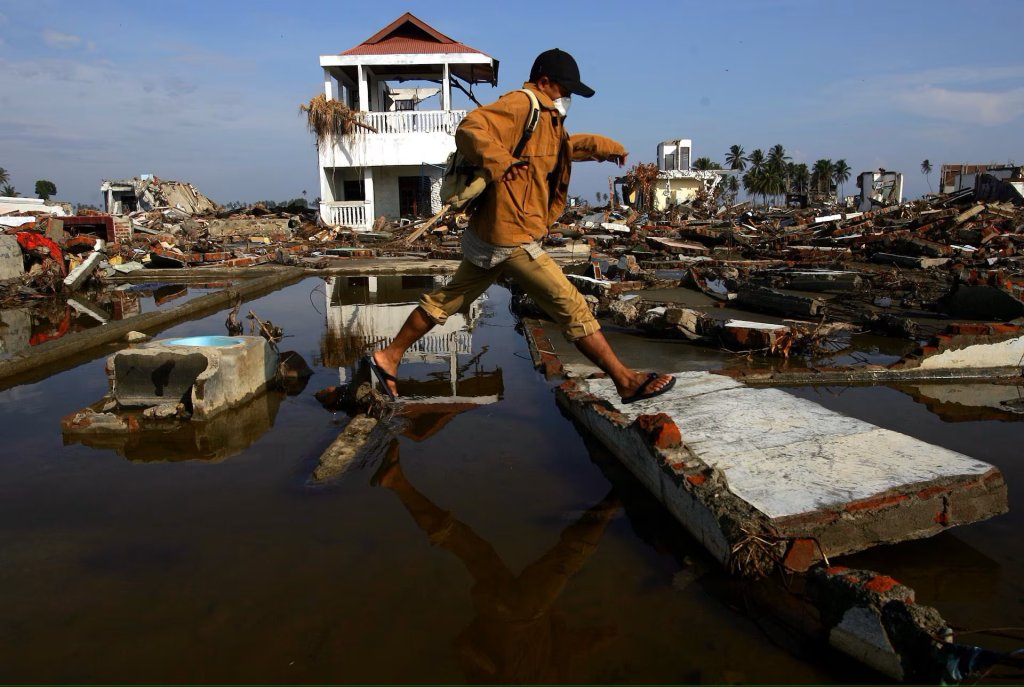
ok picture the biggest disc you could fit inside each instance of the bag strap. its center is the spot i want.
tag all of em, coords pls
(531, 121)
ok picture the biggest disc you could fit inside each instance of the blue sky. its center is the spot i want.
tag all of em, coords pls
(209, 91)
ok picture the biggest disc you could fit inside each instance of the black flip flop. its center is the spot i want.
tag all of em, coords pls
(641, 393)
(382, 376)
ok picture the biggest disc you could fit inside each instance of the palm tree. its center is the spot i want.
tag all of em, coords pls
(733, 186)
(840, 174)
(926, 169)
(736, 158)
(4, 176)
(799, 176)
(705, 163)
(777, 154)
(756, 159)
(8, 191)
(821, 176)
(778, 179)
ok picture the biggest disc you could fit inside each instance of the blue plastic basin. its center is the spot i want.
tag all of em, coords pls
(208, 341)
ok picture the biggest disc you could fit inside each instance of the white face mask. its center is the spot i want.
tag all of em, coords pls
(562, 105)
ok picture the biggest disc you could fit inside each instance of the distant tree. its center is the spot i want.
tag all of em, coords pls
(45, 189)
(732, 186)
(4, 176)
(840, 174)
(799, 176)
(926, 169)
(705, 164)
(606, 196)
(777, 181)
(736, 158)
(821, 176)
(756, 159)
(777, 154)
(8, 191)
(598, 196)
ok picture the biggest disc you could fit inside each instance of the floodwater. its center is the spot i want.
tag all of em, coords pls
(490, 542)
(53, 318)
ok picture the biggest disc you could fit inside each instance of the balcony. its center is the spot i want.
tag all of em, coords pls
(355, 214)
(413, 122)
(403, 138)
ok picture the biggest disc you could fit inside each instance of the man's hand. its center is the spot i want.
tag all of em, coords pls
(516, 172)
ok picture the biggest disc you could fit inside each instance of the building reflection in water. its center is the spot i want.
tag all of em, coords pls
(364, 313)
(518, 635)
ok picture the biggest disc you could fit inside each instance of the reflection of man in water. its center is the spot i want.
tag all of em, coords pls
(517, 636)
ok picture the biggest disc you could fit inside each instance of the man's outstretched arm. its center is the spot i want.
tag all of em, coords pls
(598, 148)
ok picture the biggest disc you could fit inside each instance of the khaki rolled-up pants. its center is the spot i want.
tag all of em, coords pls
(540, 277)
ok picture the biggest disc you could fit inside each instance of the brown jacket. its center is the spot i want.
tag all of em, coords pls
(517, 212)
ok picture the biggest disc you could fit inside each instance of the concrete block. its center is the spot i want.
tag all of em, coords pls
(208, 373)
(12, 263)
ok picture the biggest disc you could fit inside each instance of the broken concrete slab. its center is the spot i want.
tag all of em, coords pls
(238, 226)
(78, 275)
(12, 263)
(767, 478)
(172, 438)
(339, 456)
(960, 352)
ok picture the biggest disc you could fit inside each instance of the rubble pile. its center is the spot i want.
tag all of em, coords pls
(903, 270)
(810, 274)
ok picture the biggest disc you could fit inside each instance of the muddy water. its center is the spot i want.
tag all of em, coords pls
(489, 542)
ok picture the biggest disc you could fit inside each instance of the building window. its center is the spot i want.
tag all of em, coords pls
(354, 190)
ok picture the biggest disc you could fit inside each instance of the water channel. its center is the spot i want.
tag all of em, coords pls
(491, 542)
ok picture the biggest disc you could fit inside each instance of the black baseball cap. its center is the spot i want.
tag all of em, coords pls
(559, 66)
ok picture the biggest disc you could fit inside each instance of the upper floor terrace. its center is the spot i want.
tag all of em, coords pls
(401, 80)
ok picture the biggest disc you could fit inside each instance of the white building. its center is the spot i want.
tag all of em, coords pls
(396, 171)
(675, 154)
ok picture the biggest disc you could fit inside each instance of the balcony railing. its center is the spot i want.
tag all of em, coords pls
(353, 214)
(413, 122)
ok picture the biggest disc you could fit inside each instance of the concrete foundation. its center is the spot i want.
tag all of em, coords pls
(762, 477)
(209, 374)
(141, 438)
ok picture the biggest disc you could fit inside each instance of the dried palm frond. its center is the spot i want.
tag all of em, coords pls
(641, 178)
(331, 119)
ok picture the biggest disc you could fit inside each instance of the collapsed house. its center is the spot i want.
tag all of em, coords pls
(676, 182)
(881, 188)
(986, 182)
(147, 192)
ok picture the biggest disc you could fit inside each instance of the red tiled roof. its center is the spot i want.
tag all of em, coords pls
(409, 35)
(398, 45)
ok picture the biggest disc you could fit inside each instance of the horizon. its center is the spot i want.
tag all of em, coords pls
(210, 94)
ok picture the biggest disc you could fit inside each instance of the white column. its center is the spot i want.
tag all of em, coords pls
(364, 98)
(329, 86)
(446, 88)
(370, 200)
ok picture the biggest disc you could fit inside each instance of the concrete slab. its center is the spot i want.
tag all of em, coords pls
(11, 260)
(744, 467)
